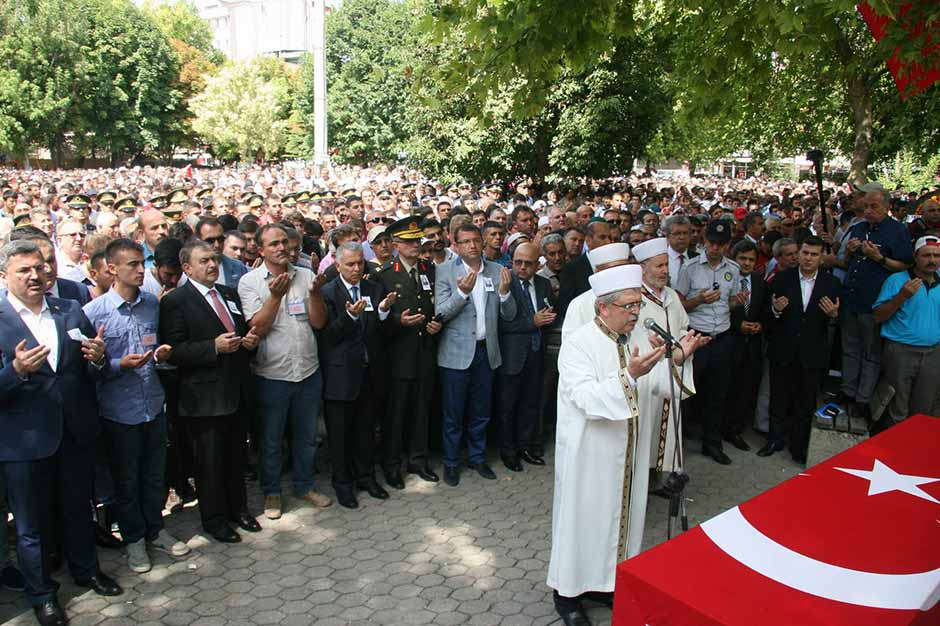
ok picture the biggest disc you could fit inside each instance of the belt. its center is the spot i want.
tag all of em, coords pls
(713, 335)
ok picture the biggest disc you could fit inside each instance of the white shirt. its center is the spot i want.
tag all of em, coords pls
(479, 299)
(806, 288)
(531, 283)
(205, 291)
(675, 264)
(349, 286)
(67, 269)
(42, 327)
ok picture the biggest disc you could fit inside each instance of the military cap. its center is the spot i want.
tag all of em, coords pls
(255, 201)
(107, 197)
(177, 196)
(77, 201)
(159, 202)
(718, 231)
(384, 193)
(303, 197)
(127, 204)
(205, 191)
(349, 191)
(408, 228)
(289, 199)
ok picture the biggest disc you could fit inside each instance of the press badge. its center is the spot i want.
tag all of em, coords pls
(488, 284)
(77, 335)
(296, 307)
(425, 283)
(233, 307)
(150, 339)
(368, 300)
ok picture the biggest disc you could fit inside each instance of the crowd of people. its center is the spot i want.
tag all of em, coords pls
(169, 334)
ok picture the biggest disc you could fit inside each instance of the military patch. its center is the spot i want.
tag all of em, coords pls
(728, 276)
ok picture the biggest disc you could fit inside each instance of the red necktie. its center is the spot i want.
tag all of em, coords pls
(221, 312)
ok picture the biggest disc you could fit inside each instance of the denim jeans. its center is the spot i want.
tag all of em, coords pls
(278, 402)
(138, 463)
(466, 392)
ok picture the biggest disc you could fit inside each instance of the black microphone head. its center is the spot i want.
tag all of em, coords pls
(648, 323)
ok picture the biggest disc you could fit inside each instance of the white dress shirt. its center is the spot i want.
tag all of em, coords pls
(479, 299)
(806, 288)
(382, 314)
(42, 327)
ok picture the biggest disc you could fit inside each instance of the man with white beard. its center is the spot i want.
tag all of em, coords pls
(601, 457)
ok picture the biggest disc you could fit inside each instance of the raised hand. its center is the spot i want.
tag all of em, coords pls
(407, 319)
(133, 361)
(911, 287)
(779, 304)
(829, 307)
(251, 340)
(318, 281)
(280, 284)
(740, 298)
(710, 296)
(853, 244)
(388, 301)
(641, 365)
(29, 361)
(466, 283)
(93, 349)
(505, 278)
(226, 343)
(162, 353)
(871, 250)
(691, 342)
(356, 309)
(544, 317)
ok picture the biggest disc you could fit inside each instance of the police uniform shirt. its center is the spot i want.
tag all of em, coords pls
(697, 276)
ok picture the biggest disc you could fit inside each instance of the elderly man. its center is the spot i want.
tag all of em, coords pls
(154, 227)
(70, 236)
(602, 450)
(553, 251)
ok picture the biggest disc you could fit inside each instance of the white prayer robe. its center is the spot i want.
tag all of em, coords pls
(580, 312)
(652, 404)
(591, 456)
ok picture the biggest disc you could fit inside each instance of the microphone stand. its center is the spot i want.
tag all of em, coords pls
(677, 481)
(816, 156)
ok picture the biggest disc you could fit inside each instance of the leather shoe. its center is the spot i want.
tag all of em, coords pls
(531, 459)
(738, 442)
(225, 534)
(512, 463)
(106, 540)
(717, 455)
(770, 448)
(102, 584)
(49, 613)
(604, 598)
(575, 617)
(372, 488)
(394, 480)
(424, 472)
(798, 457)
(346, 496)
(247, 523)
(484, 470)
(451, 476)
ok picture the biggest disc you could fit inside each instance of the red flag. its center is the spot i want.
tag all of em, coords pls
(914, 77)
(853, 541)
(188, 172)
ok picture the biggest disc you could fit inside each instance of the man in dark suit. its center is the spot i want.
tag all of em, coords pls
(411, 343)
(51, 357)
(804, 303)
(230, 271)
(55, 286)
(351, 355)
(748, 332)
(519, 378)
(574, 275)
(211, 345)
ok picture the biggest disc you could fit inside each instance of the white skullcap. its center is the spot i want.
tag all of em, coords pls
(543, 221)
(926, 240)
(513, 238)
(649, 249)
(609, 253)
(616, 279)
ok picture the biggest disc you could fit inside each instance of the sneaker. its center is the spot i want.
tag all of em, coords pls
(167, 543)
(317, 499)
(137, 558)
(12, 579)
(272, 507)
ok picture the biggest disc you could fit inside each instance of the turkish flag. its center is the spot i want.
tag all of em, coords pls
(913, 77)
(853, 541)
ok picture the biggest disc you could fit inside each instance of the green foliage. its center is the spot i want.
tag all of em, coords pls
(180, 20)
(906, 171)
(244, 110)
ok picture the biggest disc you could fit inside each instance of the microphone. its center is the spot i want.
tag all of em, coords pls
(650, 324)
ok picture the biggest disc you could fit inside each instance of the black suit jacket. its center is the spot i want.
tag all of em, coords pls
(515, 335)
(414, 350)
(71, 290)
(757, 309)
(210, 384)
(574, 278)
(797, 336)
(345, 342)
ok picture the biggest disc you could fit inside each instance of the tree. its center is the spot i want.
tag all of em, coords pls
(245, 109)
(180, 20)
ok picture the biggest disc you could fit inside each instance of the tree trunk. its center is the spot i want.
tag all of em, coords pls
(860, 100)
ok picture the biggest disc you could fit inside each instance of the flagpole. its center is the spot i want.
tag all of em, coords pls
(321, 155)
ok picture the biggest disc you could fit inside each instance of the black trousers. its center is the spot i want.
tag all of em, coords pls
(219, 466)
(179, 452)
(517, 405)
(711, 370)
(349, 429)
(406, 421)
(747, 367)
(793, 390)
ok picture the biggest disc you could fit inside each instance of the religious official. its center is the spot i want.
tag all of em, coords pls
(581, 308)
(601, 463)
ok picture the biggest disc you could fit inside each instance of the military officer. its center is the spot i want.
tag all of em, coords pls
(412, 341)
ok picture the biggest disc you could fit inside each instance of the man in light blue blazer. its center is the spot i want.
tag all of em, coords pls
(471, 295)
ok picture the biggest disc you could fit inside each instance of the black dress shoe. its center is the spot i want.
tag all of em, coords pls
(451, 476)
(717, 455)
(102, 584)
(512, 463)
(394, 480)
(738, 442)
(484, 470)
(799, 458)
(372, 488)
(247, 523)
(225, 534)
(12, 579)
(575, 617)
(49, 613)
(347, 500)
(106, 540)
(424, 472)
(770, 448)
(531, 459)
(604, 598)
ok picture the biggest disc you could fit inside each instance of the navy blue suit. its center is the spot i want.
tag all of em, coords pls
(48, 427)
(233, 270)
(71, 290)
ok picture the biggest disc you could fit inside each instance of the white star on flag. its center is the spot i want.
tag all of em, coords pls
(883, 479)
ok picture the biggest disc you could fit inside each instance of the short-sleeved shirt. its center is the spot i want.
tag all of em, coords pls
(289, 351)
(917, 322)
(697, 276)
(864, 277)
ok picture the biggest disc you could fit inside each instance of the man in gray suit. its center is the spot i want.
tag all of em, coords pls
(468, 304)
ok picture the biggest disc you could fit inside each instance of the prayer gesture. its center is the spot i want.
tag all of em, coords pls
(871, 250)
(134, 361)
(710, 296)
(388, 301)
(163, 353)
(544, 317)
(355, 310)
(407, 319)
(911, 287)
(505, 278)
(318, 281)
(690, 343)
(250, 341)
(640, 365)
(779, 304)
(829, 307)
(93, 349)
(434, 327)
(226, 343)
(740, 298)
(280, 284)
(29, 361)
(465, 284)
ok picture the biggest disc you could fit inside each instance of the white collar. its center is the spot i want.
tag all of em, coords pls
(202, 288)
(674, 254)
(20, 308)
(809, 279)
(349, 286)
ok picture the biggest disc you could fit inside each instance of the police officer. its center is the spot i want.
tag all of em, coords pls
(709, 286)
(413, 345)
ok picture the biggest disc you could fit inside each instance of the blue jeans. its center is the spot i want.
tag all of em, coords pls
(466, 392)
(138, 463)
(300, 402)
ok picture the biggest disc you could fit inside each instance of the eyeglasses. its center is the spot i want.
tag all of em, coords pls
(630, 306)
(380, 220)
(219, 239)
(76, 235)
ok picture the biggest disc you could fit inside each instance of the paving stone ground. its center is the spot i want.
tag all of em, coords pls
(476, 554)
